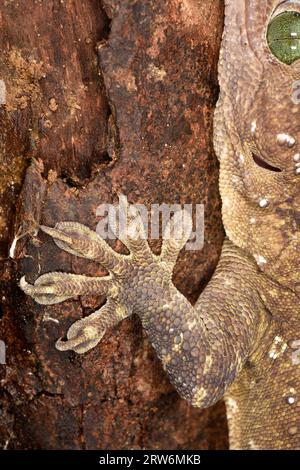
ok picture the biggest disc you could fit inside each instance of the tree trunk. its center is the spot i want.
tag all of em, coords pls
(100, 99)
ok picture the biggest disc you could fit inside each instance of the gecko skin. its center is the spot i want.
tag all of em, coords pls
(240, 339)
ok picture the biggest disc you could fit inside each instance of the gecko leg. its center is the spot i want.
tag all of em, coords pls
(198, 345)
(128, 274)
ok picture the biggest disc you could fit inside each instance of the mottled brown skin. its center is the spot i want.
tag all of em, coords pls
(240, 338)
(260, 215)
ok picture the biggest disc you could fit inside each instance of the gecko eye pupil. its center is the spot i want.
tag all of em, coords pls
(263, 164)
(283, 37)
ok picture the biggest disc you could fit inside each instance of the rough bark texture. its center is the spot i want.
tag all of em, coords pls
(102, 98)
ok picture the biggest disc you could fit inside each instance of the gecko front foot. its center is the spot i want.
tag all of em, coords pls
(131, 280)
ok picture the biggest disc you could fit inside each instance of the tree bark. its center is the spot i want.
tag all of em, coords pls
(100, 99)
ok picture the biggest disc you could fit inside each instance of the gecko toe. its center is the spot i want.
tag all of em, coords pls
(80, 241)
(81, 336)
(53, 288)
(80, 345)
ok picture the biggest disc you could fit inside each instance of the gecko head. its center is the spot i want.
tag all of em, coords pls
(272, 123)
(260, 73)
(260, 85)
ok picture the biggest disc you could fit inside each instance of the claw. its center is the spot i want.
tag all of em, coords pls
(25, 286)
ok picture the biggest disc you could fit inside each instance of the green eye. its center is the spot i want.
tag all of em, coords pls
(284, 37)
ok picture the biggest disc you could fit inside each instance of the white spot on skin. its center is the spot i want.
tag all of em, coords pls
(227, 282)
(293, 35)
(253, 127)
(278, 347)
(296, 157)
(177, 345)
(232, 404)
(242, 158)
(253, 220)
(293, 430)
(260, 260)
(166, 307)
(263, 202)
(278, 339)
(290, 400)
(273, 355)
(252, 445)
(283, 139)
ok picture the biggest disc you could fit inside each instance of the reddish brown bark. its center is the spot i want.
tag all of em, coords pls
(102, 99)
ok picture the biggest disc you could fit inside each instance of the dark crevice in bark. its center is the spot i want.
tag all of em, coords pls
(107, 22)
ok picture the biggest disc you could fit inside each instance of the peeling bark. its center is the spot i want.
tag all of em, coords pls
(102, 99)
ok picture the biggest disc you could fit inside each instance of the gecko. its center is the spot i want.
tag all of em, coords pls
(241, 339)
